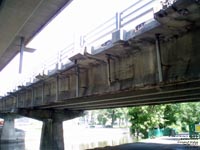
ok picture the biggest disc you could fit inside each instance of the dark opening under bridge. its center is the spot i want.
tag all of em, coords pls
(154, 61)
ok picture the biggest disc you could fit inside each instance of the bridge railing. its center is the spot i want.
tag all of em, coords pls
(133, 17)
(101, 33)
(51, 63)
(65, 54)
(136, 14)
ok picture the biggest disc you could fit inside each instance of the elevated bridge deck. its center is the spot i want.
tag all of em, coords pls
(138, 57)
(153, 62)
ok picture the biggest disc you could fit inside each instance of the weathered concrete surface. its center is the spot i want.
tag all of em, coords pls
(131, 69)
(126, 72)
(52, 135)
(180, 57)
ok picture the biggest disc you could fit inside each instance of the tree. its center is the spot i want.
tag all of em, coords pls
(122, 116)
(182, 114)
(178, 115)
(189, 113)
(115, 114)
(105, 115)
(102, 117)
(146, 117)
(171, 114)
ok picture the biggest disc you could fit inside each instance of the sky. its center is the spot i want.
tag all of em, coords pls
(76, 19)
(79, 17)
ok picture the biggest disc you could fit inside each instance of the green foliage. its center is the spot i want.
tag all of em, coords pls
(171, 114)
(106, 115)
(181, 115)
(143, 118)
(102, 117)
(146, 117)
(178, 115)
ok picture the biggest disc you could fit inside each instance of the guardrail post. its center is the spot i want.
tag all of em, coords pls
(82, 41)
(117, 21)
(120, 20)
(44, 70)
(58, 61)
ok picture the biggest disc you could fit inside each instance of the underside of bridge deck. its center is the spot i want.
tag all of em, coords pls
(185, 91)
(23, 19)
(157, 64)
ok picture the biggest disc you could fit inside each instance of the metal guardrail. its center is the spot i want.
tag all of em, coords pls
(51, 63)
(131, 14)
(101, 33)
(66, 52)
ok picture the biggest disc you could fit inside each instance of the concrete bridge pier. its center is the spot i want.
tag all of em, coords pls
(52, 135)
(52, 129)
(8, 131)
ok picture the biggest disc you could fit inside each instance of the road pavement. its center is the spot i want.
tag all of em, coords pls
(164, 143)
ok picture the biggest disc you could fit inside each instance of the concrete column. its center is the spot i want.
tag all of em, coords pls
(52, 130)
(158, 57)
(52, 135)
(8, 131)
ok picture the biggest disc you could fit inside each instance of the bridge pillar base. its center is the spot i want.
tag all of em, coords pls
(52, 129)
(8, 131)
(52, 135)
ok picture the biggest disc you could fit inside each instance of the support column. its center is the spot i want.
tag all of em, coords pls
(8, 131)
(52, 129)
(52, 135)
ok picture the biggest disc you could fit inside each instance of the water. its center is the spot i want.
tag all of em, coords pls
(100, 137)
(76, 137)
(19, 146)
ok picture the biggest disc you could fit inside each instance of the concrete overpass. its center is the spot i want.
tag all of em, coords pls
(154, 61)
(23, 19)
